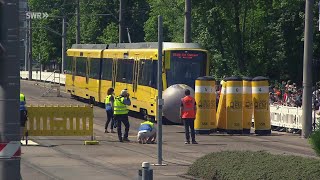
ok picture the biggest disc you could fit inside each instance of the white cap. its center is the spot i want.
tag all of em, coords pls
(124, 92)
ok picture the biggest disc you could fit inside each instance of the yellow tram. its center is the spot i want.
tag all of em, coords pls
(93, 68)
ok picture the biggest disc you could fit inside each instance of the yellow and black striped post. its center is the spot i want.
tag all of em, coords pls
(221, 110)
(234, 105)
(205, 96)
(260, 98)
(247, 109)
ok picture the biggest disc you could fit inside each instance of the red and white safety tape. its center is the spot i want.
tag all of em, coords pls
(11, 149)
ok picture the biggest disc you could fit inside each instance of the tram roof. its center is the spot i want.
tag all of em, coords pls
(142, 45)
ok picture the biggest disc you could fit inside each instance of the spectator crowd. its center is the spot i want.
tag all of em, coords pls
(288, 94)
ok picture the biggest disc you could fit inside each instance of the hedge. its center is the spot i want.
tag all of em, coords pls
(247, 165)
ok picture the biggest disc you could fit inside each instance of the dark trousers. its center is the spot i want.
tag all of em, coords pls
(23, 118)
(189, 122)
(124, 119)
(109, 118)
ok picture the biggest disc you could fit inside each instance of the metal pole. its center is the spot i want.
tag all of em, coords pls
(145, 170)
(78, 37)
(160, 100)
(319, 15)
(30, 51)
(129, 38)
(187, 22)
(9, 91)
(26, 50)
(121, 20)
(64, 48)
(307, 71)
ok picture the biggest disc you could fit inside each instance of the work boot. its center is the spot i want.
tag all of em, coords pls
(126, 139)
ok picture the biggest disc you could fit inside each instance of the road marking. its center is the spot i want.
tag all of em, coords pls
(30, 143)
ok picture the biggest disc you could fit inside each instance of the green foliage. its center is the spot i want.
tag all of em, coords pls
(314, 138)
(110, 34)
(248, 165)
(172, 12)
(244, 37)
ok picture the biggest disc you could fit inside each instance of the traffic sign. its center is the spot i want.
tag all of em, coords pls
(37, 15)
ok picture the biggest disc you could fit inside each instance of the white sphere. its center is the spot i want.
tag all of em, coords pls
(172, 101)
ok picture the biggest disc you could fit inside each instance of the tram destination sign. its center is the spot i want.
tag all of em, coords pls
(187, 54)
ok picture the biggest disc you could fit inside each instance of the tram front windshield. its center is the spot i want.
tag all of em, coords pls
(186, 67)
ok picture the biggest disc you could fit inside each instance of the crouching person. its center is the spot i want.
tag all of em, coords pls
(147, 133)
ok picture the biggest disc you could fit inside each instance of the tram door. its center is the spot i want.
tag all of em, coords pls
(73, 70)
(135, 77)
(87, 72)
(114, 72)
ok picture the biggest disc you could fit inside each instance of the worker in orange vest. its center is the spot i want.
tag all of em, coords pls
(188, 112)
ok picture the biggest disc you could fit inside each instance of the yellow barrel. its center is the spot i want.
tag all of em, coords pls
(234, 105)
(221, 110)
(247, 109)
(205, 95)
(260, 98)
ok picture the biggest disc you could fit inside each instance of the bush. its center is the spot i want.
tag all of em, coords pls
(248, 165)
(314, 140)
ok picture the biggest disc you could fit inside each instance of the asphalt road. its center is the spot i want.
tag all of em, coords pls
(68, 158)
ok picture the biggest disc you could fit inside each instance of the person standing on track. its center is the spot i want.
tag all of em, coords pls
(109, 101)
(121, 114)
(188, 111)
(23, 113)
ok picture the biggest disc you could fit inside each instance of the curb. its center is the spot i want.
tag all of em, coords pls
(185, 176)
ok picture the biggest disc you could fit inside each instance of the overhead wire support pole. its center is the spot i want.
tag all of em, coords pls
(78, 37)
(319, 15)
(160, 101)
(187, 22)
(26, 41)
(121, 20)
(129, 38)
(64, 44)
(10, 152)
(307, 71)
(30, 49)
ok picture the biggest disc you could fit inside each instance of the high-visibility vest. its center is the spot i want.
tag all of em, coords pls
(148, 123)
(146, 126)
(22, 102)
(188, 107)
(107, 102)
(119, 106)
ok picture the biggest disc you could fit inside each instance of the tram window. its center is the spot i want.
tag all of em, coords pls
(125, 70)
(146, 73)
(69, 64)
(81, 66)
(94, 68)
(154, 78)
(107, 69)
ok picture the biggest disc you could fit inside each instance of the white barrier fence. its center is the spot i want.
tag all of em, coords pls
(288, 117)
(281, 116)
(44, 76)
